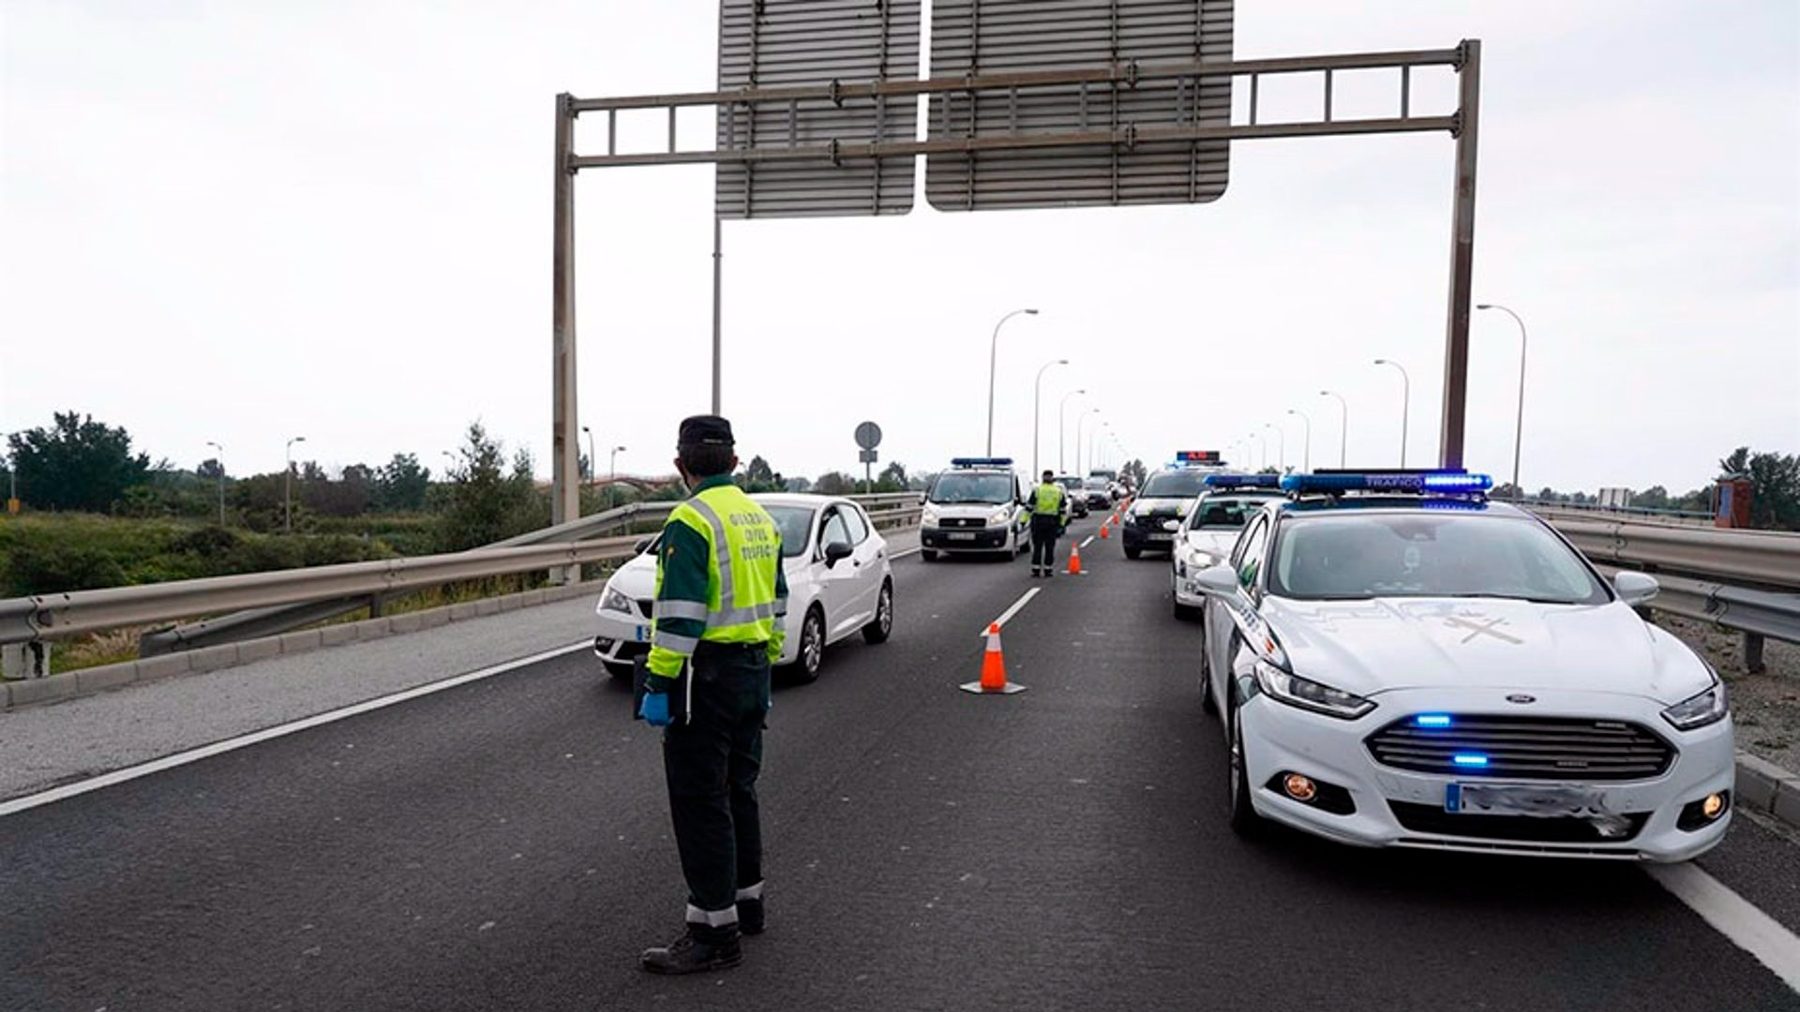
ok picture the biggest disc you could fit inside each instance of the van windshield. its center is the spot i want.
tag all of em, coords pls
(972, 488)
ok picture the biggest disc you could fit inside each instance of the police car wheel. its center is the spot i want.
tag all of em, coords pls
(1207, 705)
(1244, 820)
(882, 625)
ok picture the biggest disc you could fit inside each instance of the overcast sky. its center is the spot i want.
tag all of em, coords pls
(242, 221)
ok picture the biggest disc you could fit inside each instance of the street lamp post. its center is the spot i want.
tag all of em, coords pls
(1519, 419)
(1081, 420)
(1306, 452)
(1343, 423)
(221, 459)
(993, 359)
(1093, 438)
(1062, 427)
(593, 459)
(612, 473)
(1037, 393)
(1262, 450)
(1405, 402)
(1280, 447)
(287, 488)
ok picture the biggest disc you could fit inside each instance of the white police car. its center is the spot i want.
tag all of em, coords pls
(1211, 527)
(1156, 513)
(1401, 663)
(839, 583)
(976, 506)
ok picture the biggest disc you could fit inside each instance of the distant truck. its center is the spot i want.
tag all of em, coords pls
(1614, 498)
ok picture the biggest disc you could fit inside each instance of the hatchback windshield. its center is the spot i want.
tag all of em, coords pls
(1174, 485)
(960, 488)
(796, 528)
(1224, 513)
(1419, 554)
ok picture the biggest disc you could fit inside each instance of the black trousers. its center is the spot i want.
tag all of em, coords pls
(1045, 529)
(712, 763)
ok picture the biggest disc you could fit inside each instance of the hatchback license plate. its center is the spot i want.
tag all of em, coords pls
(1546, 801)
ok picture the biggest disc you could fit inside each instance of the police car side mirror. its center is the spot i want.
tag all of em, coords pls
(1222, 580)
(836, 552)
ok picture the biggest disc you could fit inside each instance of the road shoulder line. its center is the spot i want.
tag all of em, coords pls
(1734, 917)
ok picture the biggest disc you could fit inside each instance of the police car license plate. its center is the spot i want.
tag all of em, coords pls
(1546, 801)
(960, 536)
(641, 634)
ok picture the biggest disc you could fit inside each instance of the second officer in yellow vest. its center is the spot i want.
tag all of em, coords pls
(1046, 525)
(720, 599)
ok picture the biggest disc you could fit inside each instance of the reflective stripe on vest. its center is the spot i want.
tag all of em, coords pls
(731, 521)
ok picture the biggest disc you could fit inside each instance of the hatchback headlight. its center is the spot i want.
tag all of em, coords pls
(1307, 694)
(615, 601)
(1699, 710)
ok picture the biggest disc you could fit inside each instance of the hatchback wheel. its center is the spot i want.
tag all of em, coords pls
(812, 646)
(882, 625)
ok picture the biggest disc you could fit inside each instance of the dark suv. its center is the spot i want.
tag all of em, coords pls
(1156, 513)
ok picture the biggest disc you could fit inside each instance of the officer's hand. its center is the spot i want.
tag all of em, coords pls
(655, 709)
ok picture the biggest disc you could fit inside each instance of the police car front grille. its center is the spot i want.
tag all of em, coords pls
(1524, 748)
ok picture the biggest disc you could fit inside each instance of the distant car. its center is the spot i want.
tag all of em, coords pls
(1400, 662)
(839, 579)
(1211, 527)
(1098, 492)
(1156, 513)
(976, 506)
(1074, 495)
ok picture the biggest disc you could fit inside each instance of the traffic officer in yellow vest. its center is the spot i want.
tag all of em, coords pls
(720, 598)
(1046, 525)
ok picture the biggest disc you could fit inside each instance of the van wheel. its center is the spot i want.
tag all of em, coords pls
(928, 555)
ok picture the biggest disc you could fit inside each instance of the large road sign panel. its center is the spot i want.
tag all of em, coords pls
(970, 37)
(814, 42)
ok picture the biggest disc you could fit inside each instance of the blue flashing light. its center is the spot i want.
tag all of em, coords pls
(1387, 481)
(981, 461)
(1469, 759)
(1242, 481)
(1432, 720)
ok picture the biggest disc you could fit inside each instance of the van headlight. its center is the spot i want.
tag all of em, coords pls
(928, 515)
(1289, 688)
(615, 601)
(1696, 711)
(1000, 517)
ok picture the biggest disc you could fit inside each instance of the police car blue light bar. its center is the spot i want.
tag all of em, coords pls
(981, 461)
(1242, 481)
(1444, 481)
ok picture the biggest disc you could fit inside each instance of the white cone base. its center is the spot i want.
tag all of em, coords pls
(1005, 690)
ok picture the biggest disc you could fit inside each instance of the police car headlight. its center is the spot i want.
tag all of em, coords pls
(615, 601)
(1708, 707)
(1306, 694)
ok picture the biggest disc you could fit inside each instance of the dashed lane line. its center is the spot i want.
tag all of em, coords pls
(29, 801)
(1006, 616)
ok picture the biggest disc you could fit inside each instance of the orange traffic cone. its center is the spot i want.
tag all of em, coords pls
(993, 669)
(1105, 530)
(1074, 558)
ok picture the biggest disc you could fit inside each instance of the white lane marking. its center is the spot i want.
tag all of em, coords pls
(1734, 917)
(910, 551)
(1089, 541)
(55, 794)
(1007, 615)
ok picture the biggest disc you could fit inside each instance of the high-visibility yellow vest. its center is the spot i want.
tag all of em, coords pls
(744, 557)
(1049, 500)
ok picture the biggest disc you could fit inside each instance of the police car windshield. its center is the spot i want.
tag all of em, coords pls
(1174, 485)
(1425, 554)
(1224, 513)
(796, 528)
(972, 488)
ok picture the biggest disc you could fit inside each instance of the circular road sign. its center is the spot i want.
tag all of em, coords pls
(868, 435)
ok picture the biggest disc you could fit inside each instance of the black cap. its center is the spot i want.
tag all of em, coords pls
(705, 430)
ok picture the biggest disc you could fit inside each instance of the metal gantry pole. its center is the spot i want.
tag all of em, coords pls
(565, 481)
(1519, 417)
(993, 361)
(718, 294)
(1462, 257)
(1037, 395)
(1343, 423)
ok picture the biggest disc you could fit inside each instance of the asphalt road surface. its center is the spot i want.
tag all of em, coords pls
(505, 844)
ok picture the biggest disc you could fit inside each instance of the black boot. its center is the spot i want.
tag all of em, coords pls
(700, 950)
(750, 916)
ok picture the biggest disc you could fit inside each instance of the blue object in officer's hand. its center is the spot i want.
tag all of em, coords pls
(655, 709)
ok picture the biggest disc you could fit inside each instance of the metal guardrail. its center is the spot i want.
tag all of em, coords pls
(267, 603)
(1765, 558)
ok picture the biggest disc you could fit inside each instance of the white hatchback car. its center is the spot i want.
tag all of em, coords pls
(1433, 670)
(839, 579)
